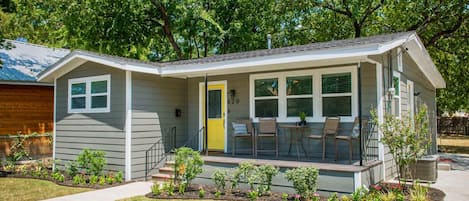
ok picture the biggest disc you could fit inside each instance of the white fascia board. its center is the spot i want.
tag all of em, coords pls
(419, 54)
(78, 58)
(237, 65)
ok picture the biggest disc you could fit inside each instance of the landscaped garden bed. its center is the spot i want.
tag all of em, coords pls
(188, 165)
(86, 171)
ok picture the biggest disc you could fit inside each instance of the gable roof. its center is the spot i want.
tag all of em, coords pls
(25, 61)
(350, 50)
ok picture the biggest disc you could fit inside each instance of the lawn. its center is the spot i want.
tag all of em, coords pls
(451, 144)
(33, 189)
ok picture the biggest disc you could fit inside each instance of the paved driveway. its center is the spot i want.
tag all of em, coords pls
(455, 183)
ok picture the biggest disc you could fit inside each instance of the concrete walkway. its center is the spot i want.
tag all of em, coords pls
(454, 183)
(110, 194)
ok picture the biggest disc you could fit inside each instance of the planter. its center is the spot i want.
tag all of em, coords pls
(425, 169)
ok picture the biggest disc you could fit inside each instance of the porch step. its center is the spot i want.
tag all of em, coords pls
(170, 163)
(166, 170)
(160, 177)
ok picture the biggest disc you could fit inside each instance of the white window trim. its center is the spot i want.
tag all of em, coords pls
(397, 97)
(317, 93)
(88, 94)
(399, 60)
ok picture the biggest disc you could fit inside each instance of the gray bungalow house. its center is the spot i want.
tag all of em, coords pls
(125, 106)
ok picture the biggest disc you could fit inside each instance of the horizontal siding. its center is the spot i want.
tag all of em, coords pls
(154, 101)
(96, 131)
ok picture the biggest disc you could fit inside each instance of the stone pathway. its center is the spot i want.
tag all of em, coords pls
(110, 194)
(456, 181)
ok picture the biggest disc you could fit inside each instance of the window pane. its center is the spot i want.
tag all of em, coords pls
(337, 83)
(214, 104)
(396, 85)
(337, 106)
(297, 105)
(266, 108)
(78, 88)
(98, 101)
(299, 85)
(266, 87)
(78, 103)
(99, 87)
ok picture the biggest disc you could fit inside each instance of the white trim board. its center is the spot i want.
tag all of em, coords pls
(128, 125)
(88, 95)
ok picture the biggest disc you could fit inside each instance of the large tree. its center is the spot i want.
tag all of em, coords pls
(163, 30)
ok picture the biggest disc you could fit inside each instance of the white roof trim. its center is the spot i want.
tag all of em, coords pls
(343, 54)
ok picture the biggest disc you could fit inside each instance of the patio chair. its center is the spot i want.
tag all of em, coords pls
(242, 129)
(267, 128)
(354, 136)
(331, 125)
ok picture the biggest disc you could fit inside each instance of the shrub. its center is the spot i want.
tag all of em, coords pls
(253, 195)
(284, 196)
(169, 188)
(79, 179)
(188, 165)
(333, 197)
(304, 180)
(259, 178)
(94, 179)
(219, 178)
(360, 193)
(201, 192)
(57, 176)
(418, 192)
(110, 179)
(92, 162)
(244, 173)
(217, 194)
(71, 169)
(119, 177)
(102, 180)
(156, 189)
(265, 175)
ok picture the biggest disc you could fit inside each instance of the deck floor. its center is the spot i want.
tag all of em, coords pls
(328, 165)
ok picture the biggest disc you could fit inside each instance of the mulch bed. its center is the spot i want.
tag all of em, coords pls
(192, 192)
(67, 182)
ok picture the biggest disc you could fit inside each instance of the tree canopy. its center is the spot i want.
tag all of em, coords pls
(164, 30)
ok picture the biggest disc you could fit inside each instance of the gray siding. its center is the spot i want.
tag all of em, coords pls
(99, 131)
(240, 110)
(154, 100)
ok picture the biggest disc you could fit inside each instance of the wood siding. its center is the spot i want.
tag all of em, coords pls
(26, 109)
(154, 101)
(97, 131)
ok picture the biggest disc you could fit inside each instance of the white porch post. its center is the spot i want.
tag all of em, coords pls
(380, 112)
(55, 123)
(128, 125)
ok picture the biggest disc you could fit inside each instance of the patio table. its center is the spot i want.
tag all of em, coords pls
(296, 137)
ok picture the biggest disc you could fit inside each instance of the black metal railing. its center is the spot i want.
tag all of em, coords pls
(370, 142)
(161, 151)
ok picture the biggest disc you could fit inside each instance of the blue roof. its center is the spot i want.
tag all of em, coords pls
(26, 61)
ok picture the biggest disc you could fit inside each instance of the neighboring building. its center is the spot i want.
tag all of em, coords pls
(27, 106)
(123, 106)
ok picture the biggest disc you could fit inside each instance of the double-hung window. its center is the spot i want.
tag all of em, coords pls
(266, 97)
(396, 103)
(89, 94)
(299, 95)
(318, 92)
(337, 94)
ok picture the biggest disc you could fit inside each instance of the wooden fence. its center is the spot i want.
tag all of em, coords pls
(453, 126)
(37, 145)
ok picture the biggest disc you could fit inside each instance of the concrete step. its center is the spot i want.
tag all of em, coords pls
(170, 163)
(166, 170)
(160, 177)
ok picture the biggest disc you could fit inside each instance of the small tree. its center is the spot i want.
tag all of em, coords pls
(407, 139)
(188, 165)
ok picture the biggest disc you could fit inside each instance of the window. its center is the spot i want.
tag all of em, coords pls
(337, 94)
(317, 92)
(396, 103)
(89, 94)
(299, 93)
(214, 104)
(266, 97)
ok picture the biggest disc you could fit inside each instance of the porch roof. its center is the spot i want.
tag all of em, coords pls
(323, 53)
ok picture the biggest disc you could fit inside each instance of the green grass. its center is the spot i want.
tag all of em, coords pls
(33, 189)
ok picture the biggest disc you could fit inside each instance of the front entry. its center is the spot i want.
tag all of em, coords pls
(216, 115)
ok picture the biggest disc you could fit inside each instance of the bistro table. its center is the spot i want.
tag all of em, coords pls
(296, 137)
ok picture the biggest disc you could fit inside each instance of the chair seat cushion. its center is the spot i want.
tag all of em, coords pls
(239, 128)
(356, 131)
(343, 137)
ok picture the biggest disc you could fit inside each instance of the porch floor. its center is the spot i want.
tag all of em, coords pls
(284, 162)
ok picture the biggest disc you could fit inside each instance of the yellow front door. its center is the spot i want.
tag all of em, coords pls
(216, 117)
